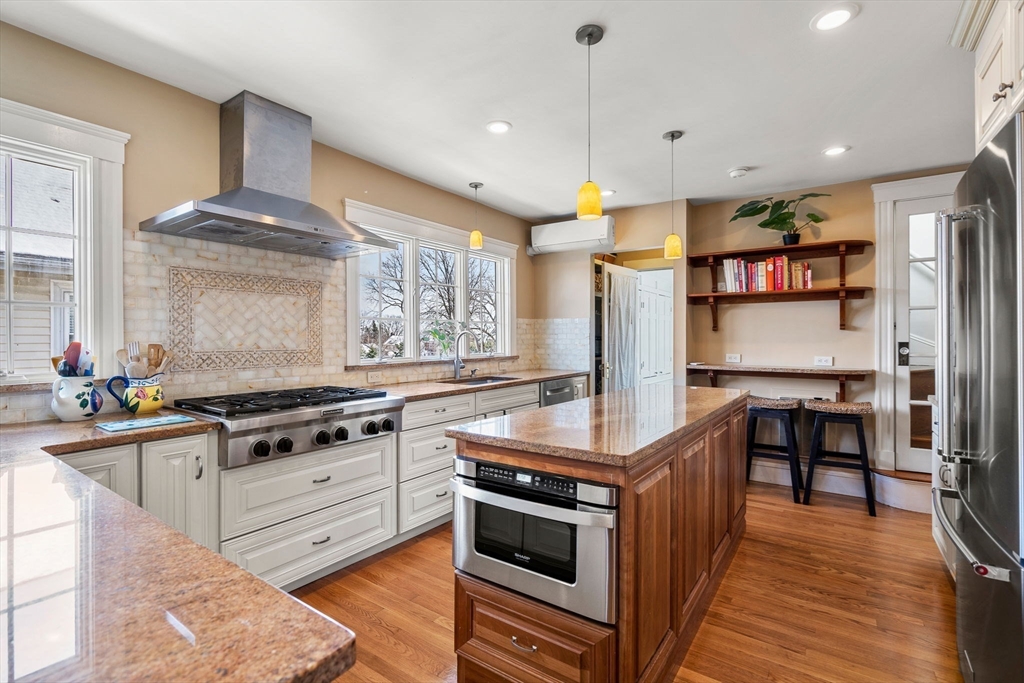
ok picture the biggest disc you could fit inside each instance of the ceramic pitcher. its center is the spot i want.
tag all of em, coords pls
(75, 398)
(139, 396)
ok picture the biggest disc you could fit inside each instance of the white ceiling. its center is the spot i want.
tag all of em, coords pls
(410, 85)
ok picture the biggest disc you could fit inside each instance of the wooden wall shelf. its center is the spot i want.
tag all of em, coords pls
(811, 250)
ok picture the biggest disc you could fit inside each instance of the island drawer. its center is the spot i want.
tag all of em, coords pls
(493, 400)
(425, 450)
(257, 496)
(436, 410)
(424, 498)
(287, 552)
(527, 640)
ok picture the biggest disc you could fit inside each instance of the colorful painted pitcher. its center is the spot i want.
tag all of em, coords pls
(139, 395)
(75, 398)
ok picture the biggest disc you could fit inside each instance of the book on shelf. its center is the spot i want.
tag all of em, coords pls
(776, 273)
(769, 274)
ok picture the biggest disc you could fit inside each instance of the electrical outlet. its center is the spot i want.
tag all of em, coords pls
(503, 366)
(823, 360)
(375, 377)
(732, 358)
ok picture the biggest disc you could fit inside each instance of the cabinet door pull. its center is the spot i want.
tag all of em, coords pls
(1005, 86)
(440, 410)
(322, 542)
(441, 448)
(199, 459)
(532, 648)
(998, 96)
(321, 481)
(441, 495)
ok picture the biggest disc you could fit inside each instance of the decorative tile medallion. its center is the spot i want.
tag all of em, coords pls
(221, 321)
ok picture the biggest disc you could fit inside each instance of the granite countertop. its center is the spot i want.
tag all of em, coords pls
(60, 438)
(781, 369)
(104, 591)
(419, 391)
(621, 428)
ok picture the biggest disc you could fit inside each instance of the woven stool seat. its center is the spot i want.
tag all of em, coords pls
(841, 408)
(773, 403)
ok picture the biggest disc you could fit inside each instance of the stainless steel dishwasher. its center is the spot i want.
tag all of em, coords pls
(556, 391)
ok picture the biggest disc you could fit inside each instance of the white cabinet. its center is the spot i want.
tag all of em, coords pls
(263, 494)
(425, 450)
(493, 401)
(176, 476)
(522, 409)
(999, 70)
(289, 551)
(423, 499)
(435, 410)
(116, 467)
(579, 388)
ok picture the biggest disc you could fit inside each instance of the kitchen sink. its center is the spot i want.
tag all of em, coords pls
(474, 381)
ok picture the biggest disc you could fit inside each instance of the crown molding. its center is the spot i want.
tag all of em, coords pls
(970, 23)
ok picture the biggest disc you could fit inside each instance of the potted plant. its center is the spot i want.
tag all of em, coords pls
(781, 215)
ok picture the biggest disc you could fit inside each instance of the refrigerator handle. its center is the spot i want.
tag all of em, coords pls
(986, 571)
(944, 255)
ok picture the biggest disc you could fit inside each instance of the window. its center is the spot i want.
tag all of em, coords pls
(61, 213)
(430, 283)
(40, 231)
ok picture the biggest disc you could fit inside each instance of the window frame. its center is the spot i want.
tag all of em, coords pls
(415, 233)
(97, 154)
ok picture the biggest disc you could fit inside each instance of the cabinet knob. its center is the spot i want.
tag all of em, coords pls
(1005, 86)
(999, 96)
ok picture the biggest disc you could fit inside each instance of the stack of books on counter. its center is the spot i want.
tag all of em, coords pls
(772, 274)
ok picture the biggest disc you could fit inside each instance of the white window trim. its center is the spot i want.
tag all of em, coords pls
(886, 196)
(100, 249)
(426, 232)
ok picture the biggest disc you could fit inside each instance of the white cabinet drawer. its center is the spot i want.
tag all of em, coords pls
(256, 496)
(423, 499)
(437, 410)
(290, 551)
(116, 467)
(522, 409)
(493, 400)
(425, 450)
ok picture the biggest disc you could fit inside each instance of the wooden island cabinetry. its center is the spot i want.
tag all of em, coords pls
(680, 516)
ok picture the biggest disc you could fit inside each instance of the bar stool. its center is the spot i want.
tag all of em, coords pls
(775, 409)
(839, 413)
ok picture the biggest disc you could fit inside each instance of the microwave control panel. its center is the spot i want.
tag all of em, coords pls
(543, 483)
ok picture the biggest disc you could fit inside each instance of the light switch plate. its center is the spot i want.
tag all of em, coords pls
(732, 358)
(373, 377)
(823, 360)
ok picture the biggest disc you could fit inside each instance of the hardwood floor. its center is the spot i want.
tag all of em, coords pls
(818, 593)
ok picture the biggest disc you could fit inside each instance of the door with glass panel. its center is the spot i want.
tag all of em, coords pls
(916, 328)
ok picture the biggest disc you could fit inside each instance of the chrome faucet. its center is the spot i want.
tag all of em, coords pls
(459, 365)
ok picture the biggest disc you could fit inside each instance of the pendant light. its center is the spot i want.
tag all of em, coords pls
(476, 238)
(673, 245)
(588, 200)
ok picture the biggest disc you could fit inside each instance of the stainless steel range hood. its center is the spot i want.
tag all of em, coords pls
(265, 161)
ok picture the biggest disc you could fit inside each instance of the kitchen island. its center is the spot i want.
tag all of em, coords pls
(676, 457)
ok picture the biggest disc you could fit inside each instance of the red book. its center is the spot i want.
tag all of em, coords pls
(769, 275)
(780, 274)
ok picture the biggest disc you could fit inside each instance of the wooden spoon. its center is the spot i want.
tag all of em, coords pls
(122, 358)
(55, 360)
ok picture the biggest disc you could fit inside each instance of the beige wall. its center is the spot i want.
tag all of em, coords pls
(563, 284)
(173, 155)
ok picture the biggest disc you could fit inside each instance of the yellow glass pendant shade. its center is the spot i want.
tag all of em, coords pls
(673, 247)
(476, 240)
(588, 202)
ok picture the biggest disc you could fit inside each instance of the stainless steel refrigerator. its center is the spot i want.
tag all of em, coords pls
(980, 383)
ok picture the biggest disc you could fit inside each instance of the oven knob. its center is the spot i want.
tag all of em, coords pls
(387, 425)
(341, 434)
(261, 448)
(322, 437)
(284, 445)
(371, 428)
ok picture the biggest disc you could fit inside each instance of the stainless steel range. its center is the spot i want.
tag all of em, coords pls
(267, 425)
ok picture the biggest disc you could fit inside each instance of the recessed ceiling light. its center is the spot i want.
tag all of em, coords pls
(499, 127)
(607, 193)
(835, 151)
(834, 17)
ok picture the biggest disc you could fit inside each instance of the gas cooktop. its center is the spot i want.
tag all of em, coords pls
(268, 401)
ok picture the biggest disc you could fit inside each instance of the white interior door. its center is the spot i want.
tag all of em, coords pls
(620, 319)
(916, 328)
(656, 343)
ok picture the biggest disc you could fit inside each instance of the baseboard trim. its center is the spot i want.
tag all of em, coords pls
(914, 496)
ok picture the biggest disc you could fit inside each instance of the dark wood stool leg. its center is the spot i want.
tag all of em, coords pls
(795, 454)
(868, 489)
(816, 438)
(751, 431)
(787, 432)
